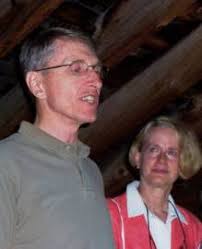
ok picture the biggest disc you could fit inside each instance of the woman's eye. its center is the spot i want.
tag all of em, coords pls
(172, 153)
(153, 148)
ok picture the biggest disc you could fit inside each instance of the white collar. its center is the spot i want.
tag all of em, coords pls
(136, 207)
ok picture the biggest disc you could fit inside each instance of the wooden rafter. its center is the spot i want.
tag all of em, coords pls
(125, 25)
(27, 18)
(147, 94)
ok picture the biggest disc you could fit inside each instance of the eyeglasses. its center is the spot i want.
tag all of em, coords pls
(79, 67)
(154, 151)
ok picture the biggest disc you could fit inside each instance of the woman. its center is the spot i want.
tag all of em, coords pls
(146, 216)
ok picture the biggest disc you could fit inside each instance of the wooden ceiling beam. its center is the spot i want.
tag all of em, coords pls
(155, 42)
(75, 15)
(28, 17)
(146, 94)
(123, 27)
(192, 114)
(5, 6)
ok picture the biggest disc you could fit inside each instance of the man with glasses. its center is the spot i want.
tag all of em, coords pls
(51, 193)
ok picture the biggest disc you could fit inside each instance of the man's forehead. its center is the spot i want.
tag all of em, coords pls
(72, 42)
(69, 49)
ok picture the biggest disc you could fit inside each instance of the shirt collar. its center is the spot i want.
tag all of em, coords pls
(47, 141)
(136, 207)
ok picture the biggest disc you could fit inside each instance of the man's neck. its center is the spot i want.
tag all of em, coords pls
(64, 132)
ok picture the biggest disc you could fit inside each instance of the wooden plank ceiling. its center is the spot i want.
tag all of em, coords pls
(153, 50)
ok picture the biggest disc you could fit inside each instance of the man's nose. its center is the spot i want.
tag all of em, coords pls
(97, 79)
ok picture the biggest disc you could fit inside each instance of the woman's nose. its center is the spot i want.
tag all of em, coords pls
(162, 156)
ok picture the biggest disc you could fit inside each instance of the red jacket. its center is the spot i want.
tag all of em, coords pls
(132, 232)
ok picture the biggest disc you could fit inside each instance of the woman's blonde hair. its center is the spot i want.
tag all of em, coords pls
(190, 153)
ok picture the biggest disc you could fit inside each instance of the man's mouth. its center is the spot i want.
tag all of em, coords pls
(91, 99)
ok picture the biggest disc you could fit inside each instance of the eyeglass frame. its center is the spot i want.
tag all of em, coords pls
(171, 153)
(99, 66)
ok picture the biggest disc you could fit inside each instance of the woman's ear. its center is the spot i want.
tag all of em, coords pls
(134, 157)
(137, 156)
(34, 82)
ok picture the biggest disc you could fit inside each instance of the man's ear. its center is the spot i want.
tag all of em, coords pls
(34, 82)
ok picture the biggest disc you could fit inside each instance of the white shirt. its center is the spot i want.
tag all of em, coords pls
(160, 231)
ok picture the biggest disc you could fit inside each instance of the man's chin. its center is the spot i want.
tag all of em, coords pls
(89, 120)
(92, 120)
